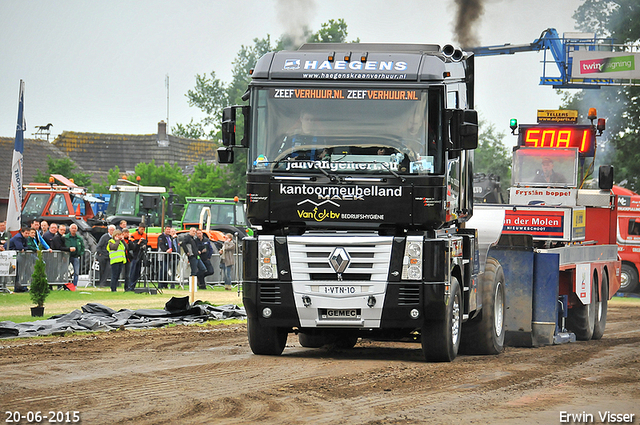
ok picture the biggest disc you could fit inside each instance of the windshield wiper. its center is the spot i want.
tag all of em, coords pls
(385, 165)
(326, 173)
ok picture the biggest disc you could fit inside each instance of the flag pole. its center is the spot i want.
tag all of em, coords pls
(14, 212)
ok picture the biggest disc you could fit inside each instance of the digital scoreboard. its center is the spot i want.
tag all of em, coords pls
(582, 137)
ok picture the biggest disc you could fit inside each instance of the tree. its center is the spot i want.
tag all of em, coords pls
(210, 180)
(169, 176)
(620, 20)
(65, 167)
(112, 178)
(492, 156)
(39, 288)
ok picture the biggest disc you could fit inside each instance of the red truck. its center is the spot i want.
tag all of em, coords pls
(628, 237)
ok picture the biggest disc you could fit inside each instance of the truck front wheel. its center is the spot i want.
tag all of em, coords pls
(485, 333)
(441, 339)
(628, 278)
(265, 340)
(582, 318)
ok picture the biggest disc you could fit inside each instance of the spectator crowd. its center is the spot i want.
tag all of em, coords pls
(121, 253)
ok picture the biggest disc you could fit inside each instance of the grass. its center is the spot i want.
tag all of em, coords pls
(16, 307)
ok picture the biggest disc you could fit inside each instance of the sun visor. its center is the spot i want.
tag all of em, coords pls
(344, 66)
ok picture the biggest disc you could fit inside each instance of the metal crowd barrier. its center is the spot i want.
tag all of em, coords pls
(158, 267)
(56, 267)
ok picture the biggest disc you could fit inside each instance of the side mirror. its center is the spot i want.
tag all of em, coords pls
(605, 177)
(225, 155)
(229, 124)
(463, 129)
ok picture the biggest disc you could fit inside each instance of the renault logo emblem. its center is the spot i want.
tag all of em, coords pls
(339, 260)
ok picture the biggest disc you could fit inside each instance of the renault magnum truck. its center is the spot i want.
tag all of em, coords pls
(359, 180)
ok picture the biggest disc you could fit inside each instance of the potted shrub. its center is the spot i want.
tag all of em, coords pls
(39, 289)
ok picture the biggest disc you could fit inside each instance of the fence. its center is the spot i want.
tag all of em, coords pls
(157, 267)
(20, 267)
(169, 268)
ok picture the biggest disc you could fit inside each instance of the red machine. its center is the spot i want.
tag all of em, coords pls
(627, 236)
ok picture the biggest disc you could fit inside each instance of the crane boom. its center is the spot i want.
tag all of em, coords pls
(562, 49)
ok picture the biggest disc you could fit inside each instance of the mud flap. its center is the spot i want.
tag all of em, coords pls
(531, 292)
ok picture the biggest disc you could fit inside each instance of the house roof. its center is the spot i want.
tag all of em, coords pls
(35, 158)
(98, 152)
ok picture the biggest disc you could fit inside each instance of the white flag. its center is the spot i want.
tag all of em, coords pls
(15, 193)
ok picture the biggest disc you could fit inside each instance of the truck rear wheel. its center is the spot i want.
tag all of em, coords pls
(581, 318)
(484, 334)
(345, 342)
(269, 341)
(601, 309)
(309, 340)
(441, 339)
(628, 278)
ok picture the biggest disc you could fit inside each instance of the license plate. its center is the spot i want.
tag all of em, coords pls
(338, 290)
(346, 314)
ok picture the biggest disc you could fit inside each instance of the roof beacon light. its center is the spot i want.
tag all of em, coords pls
(602, 123)
(513, 125)
(593, 114)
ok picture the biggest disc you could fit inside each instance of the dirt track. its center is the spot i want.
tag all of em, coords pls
(198, 375)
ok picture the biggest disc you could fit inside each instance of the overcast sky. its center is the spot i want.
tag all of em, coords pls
(100, 66)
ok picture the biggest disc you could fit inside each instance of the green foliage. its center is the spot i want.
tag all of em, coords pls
(112, 178)
(492, 156)
(166, 175)
(212, 180)
(65, 167)
(39, 289)
(619, 19)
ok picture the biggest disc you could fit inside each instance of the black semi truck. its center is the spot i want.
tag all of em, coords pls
(359, 183)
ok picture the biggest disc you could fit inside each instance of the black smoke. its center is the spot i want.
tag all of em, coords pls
(468, 13)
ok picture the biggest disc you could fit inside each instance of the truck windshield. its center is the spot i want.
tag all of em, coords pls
(378, 131)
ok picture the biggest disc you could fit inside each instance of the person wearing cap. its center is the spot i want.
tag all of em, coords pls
(547, 174)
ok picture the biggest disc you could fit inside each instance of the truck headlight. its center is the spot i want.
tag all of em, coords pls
(412, 261)
(267, 265)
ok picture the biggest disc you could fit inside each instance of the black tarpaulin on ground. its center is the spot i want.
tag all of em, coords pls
(97, 317)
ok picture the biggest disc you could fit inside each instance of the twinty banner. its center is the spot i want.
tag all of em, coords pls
(605, 65)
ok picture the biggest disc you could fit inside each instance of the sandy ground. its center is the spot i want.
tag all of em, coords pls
(196, 375)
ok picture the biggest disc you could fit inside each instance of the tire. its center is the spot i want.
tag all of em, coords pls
(601, 309)
(269, 341)
(581, 318)
(484, 334)
(441, 339)
(308, 340)
(628, 278)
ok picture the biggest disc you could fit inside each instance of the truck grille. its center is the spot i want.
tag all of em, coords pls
(369, 257)
(409, 295)
(270, 294)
